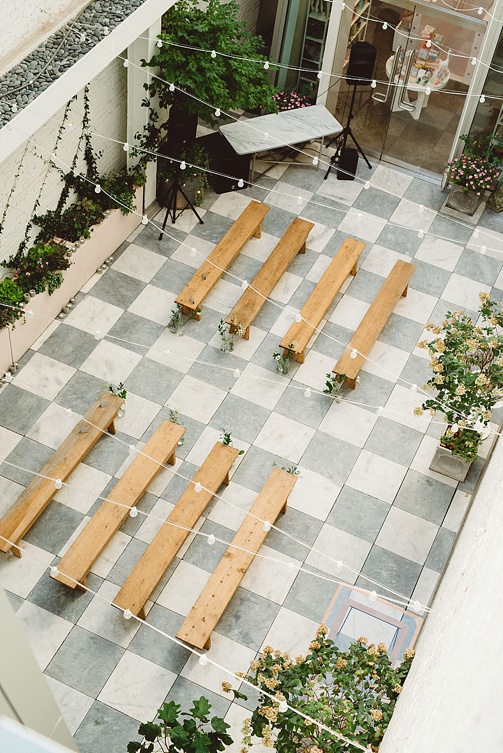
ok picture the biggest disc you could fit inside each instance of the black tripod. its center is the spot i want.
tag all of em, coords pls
(342, 137)
(171, 201)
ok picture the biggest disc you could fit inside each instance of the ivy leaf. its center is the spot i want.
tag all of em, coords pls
(201, 708)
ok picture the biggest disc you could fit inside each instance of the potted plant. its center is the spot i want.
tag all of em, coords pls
(467, 363)
(226, 438)
(283, 359)
(120, 391)
(40, 268)
(333, 385)
(174, 417)
(226, 337)
(12, 303)
(175, 323)
(471, 174)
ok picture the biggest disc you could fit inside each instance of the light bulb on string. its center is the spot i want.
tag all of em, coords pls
(127, 614)
(366, 185)
(384, 26)
(244, 284)
(307, 392)
(144, 220)
(213, 54)
(193, 252)
(125, 146)
(171, 87)
(183, 165)
(106, 31)
(241, 183)
(482, 99)
(413, 387)
(283, 706)
(218, 112)
(299, 200)
(132, 449)
(266, 65)
(483, 249)
(98, 335)
(29, 313)
(198, 487)
(338, 566)
(427, 91)
(7, 376)
(480, 11)
(133, 513)
(420, 209)
(380, 409)
(354, 353)
(237, 373)
(420, 234)
(373, 84)
(428, 43)
(203, 660)
(476, 233)
(315, 161)
(319, 75)
(266, 526)
(58, 483)
(14, 107)
(454, 428)
(474, 61)
(416, 605)
(159, 43)
(97, 188)
(211, 539)
(373, 596)
(82, 37)
(298, 318)
(54, 571)
(125, 63)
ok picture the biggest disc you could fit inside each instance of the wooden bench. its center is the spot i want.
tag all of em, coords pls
(203, 617)
(246, 309)
(92, 540)
(211, 270)
(343, 264)
(371, 325)
(139, 586)
(35, 498)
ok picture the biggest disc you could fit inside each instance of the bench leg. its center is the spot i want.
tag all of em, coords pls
(354, 269)
(351, 382)
(82, 586)
(207, 645)
(111, 427)
(258, 231)
(226, 480)
(16, 551)
(141, 614)
(172, 458)
(302, 249)
(283, 509)
(404, 294)
(299, 357)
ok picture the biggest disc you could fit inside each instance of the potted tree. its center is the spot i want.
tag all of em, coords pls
(467, 363)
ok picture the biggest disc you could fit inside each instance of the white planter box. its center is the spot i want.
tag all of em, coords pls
(105, 239)
(449, 465)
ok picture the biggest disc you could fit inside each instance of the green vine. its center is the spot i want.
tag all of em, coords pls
(13, 188)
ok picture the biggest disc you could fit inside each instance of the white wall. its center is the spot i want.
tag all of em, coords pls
(108, 118)
(451, 702)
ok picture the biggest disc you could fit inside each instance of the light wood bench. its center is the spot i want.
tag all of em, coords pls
(371, 325)
(343, 264)
(35, 498)
(203, 617)
(246, 309)
(139, 586)
(211, 270)
(92, 540)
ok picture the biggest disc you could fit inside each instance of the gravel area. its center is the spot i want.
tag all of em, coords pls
(25, 81)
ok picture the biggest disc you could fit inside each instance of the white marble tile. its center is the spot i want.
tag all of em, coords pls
(283, 322)
(154, 520)
(92, 315)
(493, 242)
(400, 408)
(223, 296)
(138, 416)
(139, 263)
(177, 352)
(286, 196)
(344, 191)
(20, 575)
(391, 181)
(73, 704)
(164, 477)
(260, 386)
(407, 215)
(82, 488)
(376, 476)
(230, 204)
(416, 305)
(291, 633)
(440, 253)
(423, 458)
(380, 260)
(385, 361)
(260, 248)
(137, 687)
(44, 376)
(349, 312)
(101, 618)
(224, 652)
(243, 348)
(155, 304)
(52, 427)
(424, 589)
(285, 287)
(333, 545)
(184, 255)
(8, 440)
(273, 577)
(184, 222)
(464, 292)
(319, 237)
(235, 716)
(312, 372)
(235, 501)
(319, 268)
(9, 492)
(407, 535)
(349, 423)
(111, 362)
(183, 588)
(111, 554)
(362, 225)
(377, 631)
(457, 510)
(197, 399)
(313, 494)
(273, 171)
(283, 435)
(206, 442)
(44, 631)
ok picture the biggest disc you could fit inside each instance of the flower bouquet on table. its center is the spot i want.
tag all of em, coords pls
(289, 100)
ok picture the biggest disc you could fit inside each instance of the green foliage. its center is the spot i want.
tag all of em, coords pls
(226, 438)
(72, 224)
(334, 385)
(39, 268)
(353, 692)
(11, 295)
(195, 156)
(117, 190)
(191, 731)
(117, 389)
(464, 442)
(467, 364)
(293, 469)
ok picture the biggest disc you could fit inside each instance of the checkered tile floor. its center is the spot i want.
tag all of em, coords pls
(365, 496)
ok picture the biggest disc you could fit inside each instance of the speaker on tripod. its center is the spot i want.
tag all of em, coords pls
(362, 58)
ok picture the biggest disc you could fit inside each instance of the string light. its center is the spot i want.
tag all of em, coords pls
(58, 483)
(217, 112)
(483, 249)
(384, 26)
(127, 614)
(237, 373)
(198, 487)
(203, 660)
(241, 183)
(420, 209)
(98, 335)
(159, 43)
(211, 539)
(125, 63)
(54, 571)
(474, 61)
(482, 99)
(266, 526)
(144, 220)
(307, 392)
(298, 318)
(266, 65)
(427, 91)
(354, 353)
(213, 54)
(420, 234)
(183, 165)
(373, 84)
(171, 87)
(283, 706)
(319, 75)
(133, 513)
(244, 284)
(126, 146)
(97, 188)
(366, 185)
(315, 161)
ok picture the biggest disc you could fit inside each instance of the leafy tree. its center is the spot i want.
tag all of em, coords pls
(191, 731)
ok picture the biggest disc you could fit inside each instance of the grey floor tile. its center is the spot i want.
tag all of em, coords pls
(15, 600)
(294, 525)
(277, 220)
(393, 441)
(330, 457)
(303, 177)
(470, 483)
(335, 242)
(302, 294)
(65, 602)
(475, 266)
(365, 286)
(173, 276)
(131, 328)
(440, 550)
(214, 228)
(425, 193)
(156, 647)
(107, 454)
(424, 496)
(376, 202)
(450, 229)
(267, 316)
(324, 210)
(263, 355)
(310, 596)
(217, 368)
(204, 329)
(308, 411)
(399, 239)
(54, 527)
(256, 470)
(416, 371)
(428, 278)
(29, 457)
(302, 263)
(371, 391)
(185, 692)
(241, 417)
(193, 430)
(247, 619)
(80, 392)
(117, 288)
(89, 676)
(358, 514)
(69, 345)
(153, 381)
(242, 268)
(206, 556)
(177, 486)
(401, 332)
(390, 570)
(144, 505)
(442, 307)
(20, 409)
(149, 238)
(491, 220)
(104, 729)
(332, 341)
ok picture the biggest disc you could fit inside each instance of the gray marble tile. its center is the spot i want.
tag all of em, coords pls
(401, 332)
(54, 527)
(424, 496)
(372, 391)
(358, 514)
(365, 286)
(298, 525)
(302, 293)
(394, 441)
(277, 221)
(470, 483)
(29, 456)
(173, 276)
(303, 177)
(428, 278)
(475, 266)
(335, 242)
(302, 263)
(61, 600)
(221, 374)
(427, 194)
(399, 239)
(440, 550)
(214, 228)
(308, 411)
(204, 329)
(256, 470)
(178, 484)
(15, 600)
(116, 288)
(144, 504)
(332, 341)
(393, 571)
(153, 381)
(491, 220)
(267, 316)
(324, 210)
(206, 556)
(193, 430)
(263, 355)
(416, 371)
(454, 230)
(131, 328)
(441, 309)
(69, 345)
(310, 596)
(330, 457)
(244, 268)
(89, 676)
(108, 454)
(376, 202)
(241, 417)
(104, 729)
(80, 392)
(185, 692)
(157, 648)
(247, 619)
(20, 409)
(149, 238)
